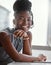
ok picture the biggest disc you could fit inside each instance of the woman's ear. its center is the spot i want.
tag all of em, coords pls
(14, 21)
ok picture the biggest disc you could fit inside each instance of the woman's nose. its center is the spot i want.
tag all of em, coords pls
(25, 21)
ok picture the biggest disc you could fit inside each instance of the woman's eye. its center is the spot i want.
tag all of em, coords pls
(21, 18)
(29, 20)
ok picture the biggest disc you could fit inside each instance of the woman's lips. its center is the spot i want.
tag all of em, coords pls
(25, 28)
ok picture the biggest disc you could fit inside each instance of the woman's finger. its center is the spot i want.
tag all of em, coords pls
(19, 33)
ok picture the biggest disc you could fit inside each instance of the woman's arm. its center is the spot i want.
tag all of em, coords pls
(8, 46)
(12, 52)
(27, 44)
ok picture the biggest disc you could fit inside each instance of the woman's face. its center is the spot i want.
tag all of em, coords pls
(23, 20)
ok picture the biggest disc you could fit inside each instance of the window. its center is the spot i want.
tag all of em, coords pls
(40, 12)
(4, 18)
(39, 31)
(49, 25)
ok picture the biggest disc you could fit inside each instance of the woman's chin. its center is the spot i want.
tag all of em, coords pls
(25, 29)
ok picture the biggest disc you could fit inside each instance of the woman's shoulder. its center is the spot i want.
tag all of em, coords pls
(29, 33)
(7, 30)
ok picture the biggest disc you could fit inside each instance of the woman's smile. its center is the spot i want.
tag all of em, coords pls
(25, 28)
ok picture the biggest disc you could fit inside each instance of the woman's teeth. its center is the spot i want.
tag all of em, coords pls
(25, 26)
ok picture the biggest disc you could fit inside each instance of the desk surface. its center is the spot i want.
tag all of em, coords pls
(22, 63)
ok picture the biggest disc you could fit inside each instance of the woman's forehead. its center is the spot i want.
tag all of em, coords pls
(24, 14)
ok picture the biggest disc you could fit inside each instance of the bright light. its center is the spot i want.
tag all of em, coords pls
(40, 11)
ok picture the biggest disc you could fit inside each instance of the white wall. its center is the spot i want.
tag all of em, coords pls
(40, 11)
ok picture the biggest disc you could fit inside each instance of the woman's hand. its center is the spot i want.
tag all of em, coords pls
(42, 58)
(20, 33)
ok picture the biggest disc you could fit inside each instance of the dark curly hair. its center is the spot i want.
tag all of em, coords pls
(23, 5)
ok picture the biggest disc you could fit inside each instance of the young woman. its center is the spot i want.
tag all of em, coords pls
(12, 41)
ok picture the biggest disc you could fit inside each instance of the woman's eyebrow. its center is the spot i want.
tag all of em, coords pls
(21, 16)
(27, 17)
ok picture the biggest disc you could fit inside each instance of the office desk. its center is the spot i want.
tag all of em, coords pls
(36, 63)
(39, 50)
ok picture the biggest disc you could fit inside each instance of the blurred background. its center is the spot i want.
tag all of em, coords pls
(41, 31)
(41, 12)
